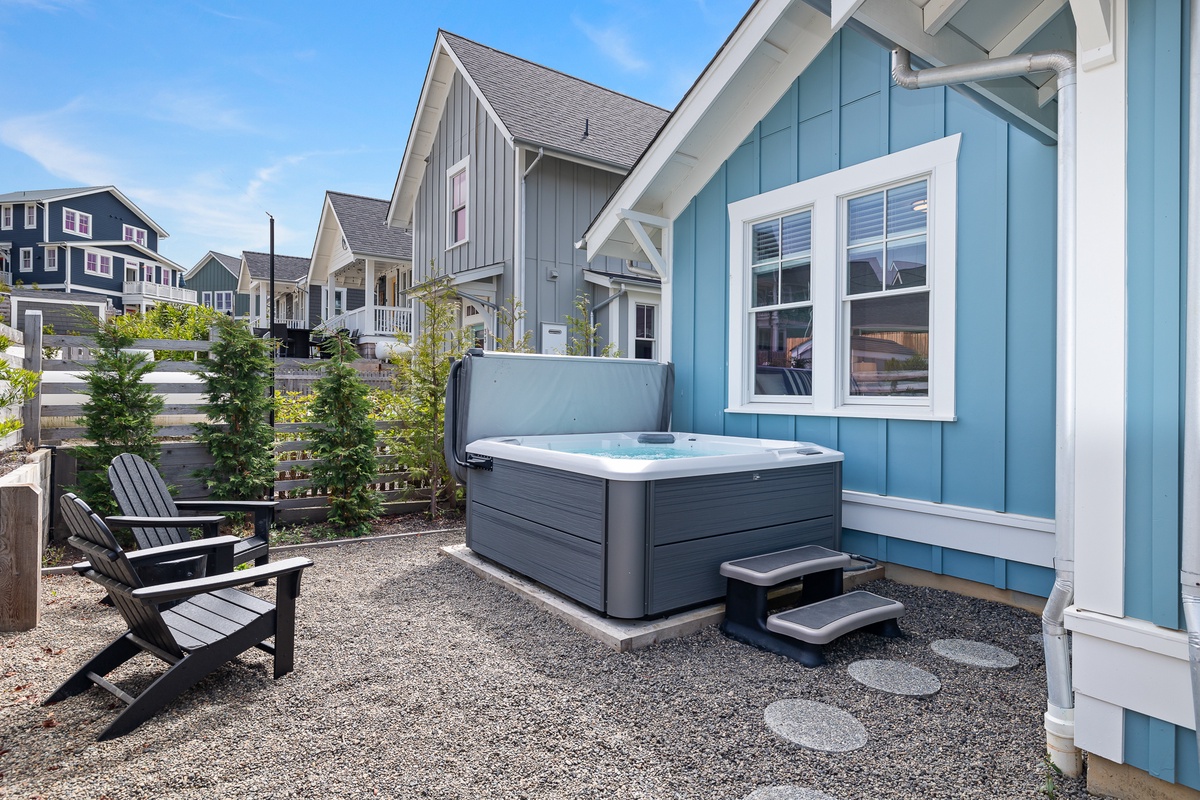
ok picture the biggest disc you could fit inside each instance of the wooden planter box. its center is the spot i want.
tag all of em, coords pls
(24, 530)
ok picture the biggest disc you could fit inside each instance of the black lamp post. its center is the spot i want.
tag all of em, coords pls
(271, 318)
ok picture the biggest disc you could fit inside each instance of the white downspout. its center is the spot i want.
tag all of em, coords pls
(1060, 711)
(1189, 557)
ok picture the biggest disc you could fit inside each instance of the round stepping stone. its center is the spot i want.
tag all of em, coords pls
(976, 654)
(787, 793)
(895, 677)
(815, 726)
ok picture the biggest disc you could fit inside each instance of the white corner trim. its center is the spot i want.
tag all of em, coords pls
(1013, 537)
(1100, 728)
(1110, 653)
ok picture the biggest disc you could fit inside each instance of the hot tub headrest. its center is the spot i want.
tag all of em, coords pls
(514, 394)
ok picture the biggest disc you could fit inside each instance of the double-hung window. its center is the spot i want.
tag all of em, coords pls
(842, 291)
(6, 218)
(51, 259)
(130, 233)
(206, 299)
(77, 222)
(645, 326)
(30, 216)
(457, 196)
(26, 259)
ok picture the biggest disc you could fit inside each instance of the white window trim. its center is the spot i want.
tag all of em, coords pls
(51, 259)
(99, 260)
(78, 216)
(129, 234)
(644, 299)
(223, 301)
(824, 194)
(6, 217)
(26, 258)
(206, 299)
(461, 166)
(30, 207)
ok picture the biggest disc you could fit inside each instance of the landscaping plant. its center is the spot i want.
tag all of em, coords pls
(17, 386)
(169, 321)
(419, 397)
(505, 336)
(343, 440)
(237, 385)
(118, 415)
(583, 335)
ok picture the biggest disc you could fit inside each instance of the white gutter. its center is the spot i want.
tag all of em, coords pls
(1060, 712)
(1189, 557)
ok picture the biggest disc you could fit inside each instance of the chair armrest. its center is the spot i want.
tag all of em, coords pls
(182, 589)
(163, 522)
(232, 505)
(170, 552)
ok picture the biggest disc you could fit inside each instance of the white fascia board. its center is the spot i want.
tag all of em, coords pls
(840, 12)
(320, 275)
(563, 155)
(487, 106)
(903, 24)
(726, 93)
(209, 256)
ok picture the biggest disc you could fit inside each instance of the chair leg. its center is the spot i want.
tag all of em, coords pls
(102, 663)
(166, 687)
(286, 592)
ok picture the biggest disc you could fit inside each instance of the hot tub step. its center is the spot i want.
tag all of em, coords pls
(820, 623)
(772, 569)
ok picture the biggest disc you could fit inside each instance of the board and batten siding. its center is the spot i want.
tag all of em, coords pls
(466, 129)
(213, 277)
(998, 455)
(561, 200)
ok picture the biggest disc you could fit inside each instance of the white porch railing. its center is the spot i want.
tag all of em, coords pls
(157, 291)
(6, 277)
(386, 322)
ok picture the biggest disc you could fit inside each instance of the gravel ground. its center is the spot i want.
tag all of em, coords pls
(416, 679)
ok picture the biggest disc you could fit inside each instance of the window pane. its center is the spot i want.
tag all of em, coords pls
(864, 271)
(459, 184)
(645, 322)
(907, 208)
(783, 352)
(766, 285)
(765, 237)
(866, 218)
(797, 234)
(906, 263)
(889, 346)
(795, 282)
(460, 225)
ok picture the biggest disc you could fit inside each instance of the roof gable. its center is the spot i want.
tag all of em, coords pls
(532, 105)
(363, 223)
(232, 264)
(57, 195)
(288, 269)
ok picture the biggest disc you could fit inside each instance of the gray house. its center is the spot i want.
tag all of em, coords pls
(360, 272)
(291, 279)
(506, 165)
(214, 279)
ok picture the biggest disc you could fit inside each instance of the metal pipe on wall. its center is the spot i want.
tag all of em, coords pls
(1060, 712)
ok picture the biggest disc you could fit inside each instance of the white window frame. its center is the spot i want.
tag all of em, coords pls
(339, 301)
(101, 259)
(75, 226)
(26, 262)
(131, 233)
(6, 217)
(206, 299)
(30, 224)
(826, 196)
(51, 260)
(222, 301)
(462, 167)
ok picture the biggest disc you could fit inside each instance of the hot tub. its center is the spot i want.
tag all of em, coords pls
(637, 524)
(634, 523)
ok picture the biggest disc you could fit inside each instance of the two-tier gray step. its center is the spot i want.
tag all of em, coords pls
(822, 622)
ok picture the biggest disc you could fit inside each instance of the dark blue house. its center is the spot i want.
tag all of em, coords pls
(90, 239)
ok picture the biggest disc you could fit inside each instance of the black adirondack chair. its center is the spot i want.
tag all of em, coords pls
(155, 518)
(213, 625)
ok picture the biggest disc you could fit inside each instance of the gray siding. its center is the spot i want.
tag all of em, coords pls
(466, 129)
(561, 200)
(213, 277)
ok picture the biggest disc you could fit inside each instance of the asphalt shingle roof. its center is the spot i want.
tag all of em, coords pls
(362, 221)
(231, 263)
(287, 268)
(46, 194)
(544, 107)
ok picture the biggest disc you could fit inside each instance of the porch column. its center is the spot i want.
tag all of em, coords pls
(369, 323)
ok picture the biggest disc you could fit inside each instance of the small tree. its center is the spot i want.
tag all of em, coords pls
(237, 384)
(344, 441)
(17, 386)
(419, 398)
(505, 335)
(584, 335)
(118, 415)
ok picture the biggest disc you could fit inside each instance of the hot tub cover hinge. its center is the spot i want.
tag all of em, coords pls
(479, 462)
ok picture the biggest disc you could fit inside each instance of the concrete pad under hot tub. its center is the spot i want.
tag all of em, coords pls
(619, 634)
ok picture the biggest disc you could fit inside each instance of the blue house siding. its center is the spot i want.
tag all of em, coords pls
(108, 216)
(1166, 751)
(999, 453)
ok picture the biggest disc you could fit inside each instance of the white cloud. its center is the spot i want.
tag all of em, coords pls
(201, 110)
(614, 43)
(40, 137)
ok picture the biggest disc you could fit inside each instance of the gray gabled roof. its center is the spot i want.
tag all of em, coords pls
(48, 194)
(289, 269)
(231, 263)
(363, 223)
(545, 108)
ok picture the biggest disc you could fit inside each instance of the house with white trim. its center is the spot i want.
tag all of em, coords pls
(214, 279)
(90, 239)
(976, 291)
(506, 163)
(290, 289)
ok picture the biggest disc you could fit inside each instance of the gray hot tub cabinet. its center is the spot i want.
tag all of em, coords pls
(632, 549)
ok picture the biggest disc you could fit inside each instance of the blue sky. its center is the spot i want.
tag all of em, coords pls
(209, 114)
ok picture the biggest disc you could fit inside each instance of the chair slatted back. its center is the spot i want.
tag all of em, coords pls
(140, 492)
(112, 570)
